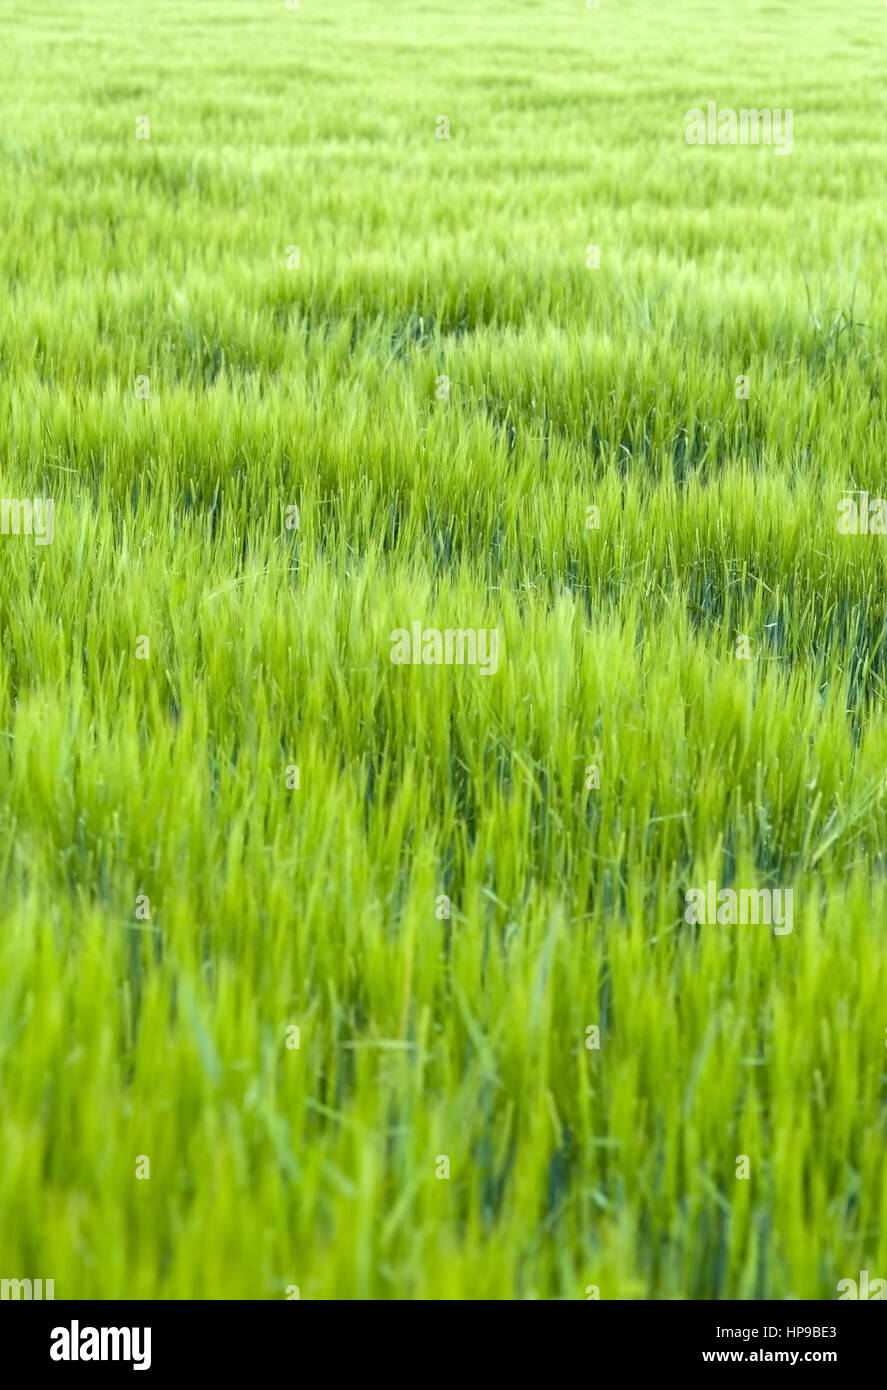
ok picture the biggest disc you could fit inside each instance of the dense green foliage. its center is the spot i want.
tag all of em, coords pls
(124, 1036)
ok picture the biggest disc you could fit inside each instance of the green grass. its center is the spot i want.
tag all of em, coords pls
(122, 1036)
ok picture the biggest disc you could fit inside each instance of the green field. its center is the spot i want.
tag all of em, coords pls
(134, 1030)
